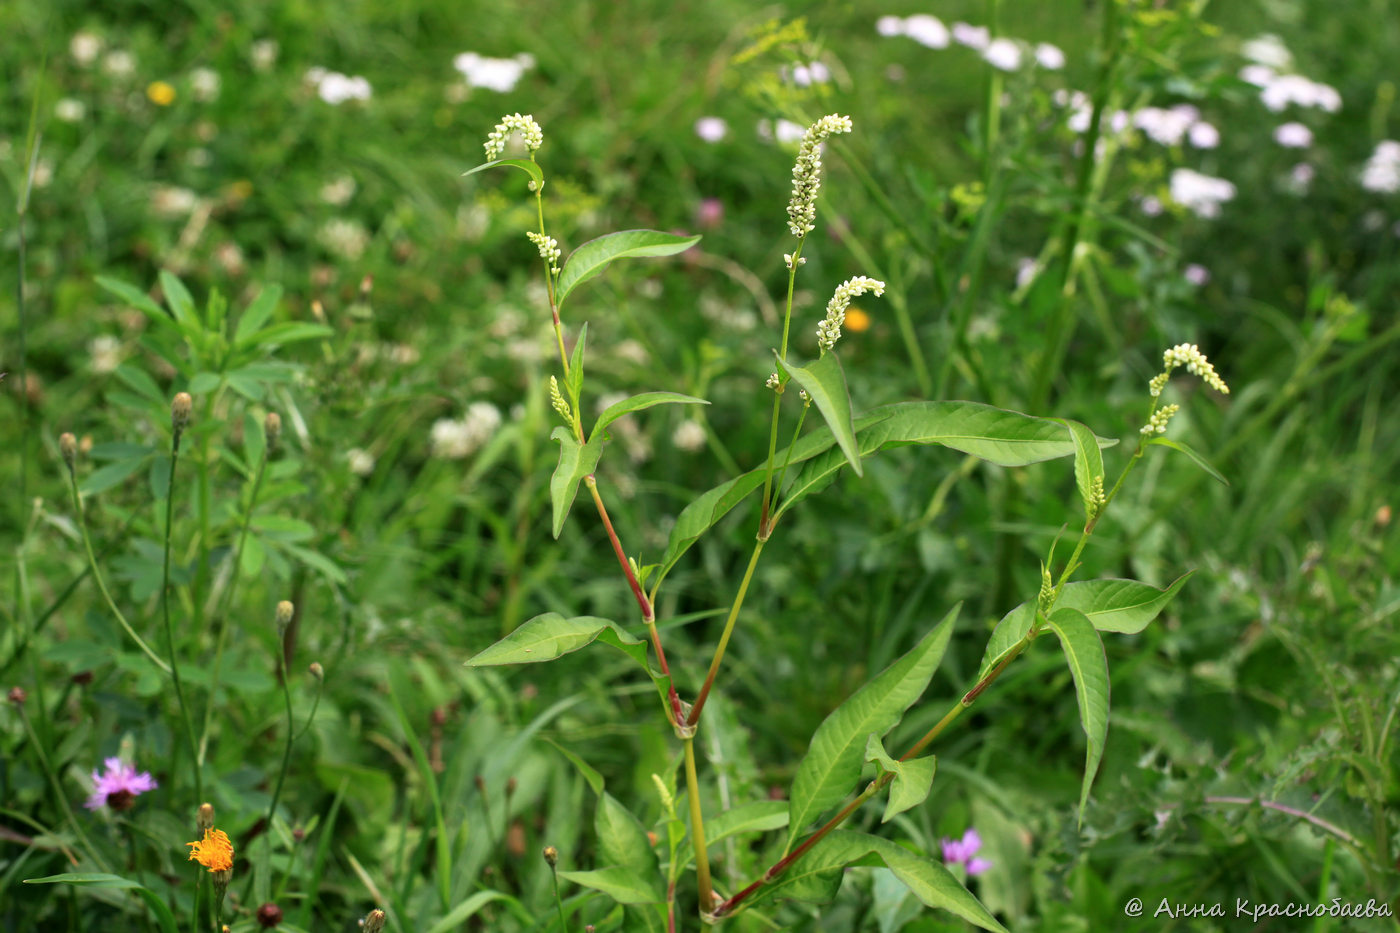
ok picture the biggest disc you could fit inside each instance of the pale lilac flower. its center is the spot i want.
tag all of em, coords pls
(118, 786)
(805, 75)
(1151, 206)
(964, 851)
(1200, 194)
(1004, 54)
(1293, 136)
(1257, 75)
(1296, 89)
(788, 132)
(1026, 269)
(1196, 274)
(1203, 135)
(927, 30)
(1049, 56)
(1166, 126)
(711, 129)
(709, 213)
(889, 26)
(974, 37)
(1301, 177)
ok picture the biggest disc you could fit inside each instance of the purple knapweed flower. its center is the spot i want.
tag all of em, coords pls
(964, 852)
(118, 786)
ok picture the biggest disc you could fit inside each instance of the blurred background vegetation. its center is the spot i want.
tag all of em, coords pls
(406, 514)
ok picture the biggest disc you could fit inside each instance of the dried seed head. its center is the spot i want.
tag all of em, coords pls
(551, 855)
(180, 410)
(68, 447)
(285, 610)
(204, 819)
(374, 921)
(272, 429)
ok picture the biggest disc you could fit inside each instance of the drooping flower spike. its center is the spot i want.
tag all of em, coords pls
(524, 124)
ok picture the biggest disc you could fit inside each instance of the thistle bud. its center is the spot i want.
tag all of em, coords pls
(551, 855)
(204, 819)
(18, 696)
(68, 447)
(180, 410)
(317, 671)
(373, 922)
(285, 609)
(269, 915)
(272, 429)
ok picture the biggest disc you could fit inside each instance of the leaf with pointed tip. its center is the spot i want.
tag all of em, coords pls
(621, 884)
(549, 636)
(756, 816)
(257, 314)
(1088, 464)
(825, 383)
(89, 879)
(928, 880)
(912, 779)
(1089, 666)
(832, 765)
(575, 462)
(137, 299)
(621, 838)
(525, 165)
(181, 304)
(593, 257)
(1196, 458)
(637, 403)
(575, 381)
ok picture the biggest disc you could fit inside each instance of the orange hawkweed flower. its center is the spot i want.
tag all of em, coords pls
(214, 851)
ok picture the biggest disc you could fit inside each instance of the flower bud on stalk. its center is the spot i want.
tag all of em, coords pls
(180, 410)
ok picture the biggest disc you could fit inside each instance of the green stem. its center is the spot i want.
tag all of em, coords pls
(697, 832)
(58, 789)
(169, 629)
(796, 261)
(558, 902)
(704, 694)
(221, 611)
(101, 583)
(286, 754)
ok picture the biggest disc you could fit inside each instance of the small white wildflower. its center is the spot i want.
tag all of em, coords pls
(890, 26)
(829, 330)
(204, 84)
(549, 250)
(345, 238)
(1026, 270)
(927, 30)
(1003, 54)
(787, 260)
(361, 461)
(1150, 206)
(1196, 274)
(806, 399)
(689, 436)
(1203, 135)
(1201, 194)
(1300, 178)
(1049, 56)
(1283, 90)
(1165, 126)
(805, 74)
(457, 439)
(119, 63)
(106, 353)
(711, 129)
(338, 191)
(84, 47)
(974, 37)
(69, 110)
(171, 201)
(1157, 424)
(493, 74)
(773, 382)
(1190, 356)
(335, 88)
(1257, 75)
(264, 54)
(1267, 50)
(787, 132)
(1293, 136)
(807, 173)
(524, 124)
(1382, 171)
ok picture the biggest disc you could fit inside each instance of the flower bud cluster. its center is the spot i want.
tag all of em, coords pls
(556, 398)
(524, 124)
(807, 173)
(549, 250)
(1190, 356)
(1157, 424)
(829, 330)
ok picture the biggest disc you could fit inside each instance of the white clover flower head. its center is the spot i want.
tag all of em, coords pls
(205, 84)
(69, 110)
(493, 74)
(711, 129)
(1293, 136)
(1003, 54)
(524, 124)
(549, 250)
(455, 439)
(335, 88)
(890, 26)
(689, 436)
(829, 330)
(264, 54)
(927, 30)
(1201, 194)
(1157, 424)
(85, 47)
(1203, 135)
(361, 461)
(974, 37)
(807, 173)
(106, 352)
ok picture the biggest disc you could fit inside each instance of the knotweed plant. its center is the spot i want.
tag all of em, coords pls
(644, 872)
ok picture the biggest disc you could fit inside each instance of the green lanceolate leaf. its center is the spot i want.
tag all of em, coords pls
(575, 462)
(928, 880)
(574, 383)
(1089, 666)
(912, 779)
(1196, 458)
(181, 304)
(756, 816)
(825, 383)
(832, 765)
(1088, 464)
(106, 477)
(525, 165)
(549, 636)
(637, 403)
(137, 299)
(257, 314)
(159, 908)
(621, 884)
(1124, 606)
(1010, 630)
(593, 257)
(621, 838)
(585, 770)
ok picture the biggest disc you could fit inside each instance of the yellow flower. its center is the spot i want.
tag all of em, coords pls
(857, 320)
(160, 93)
(214, 851)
